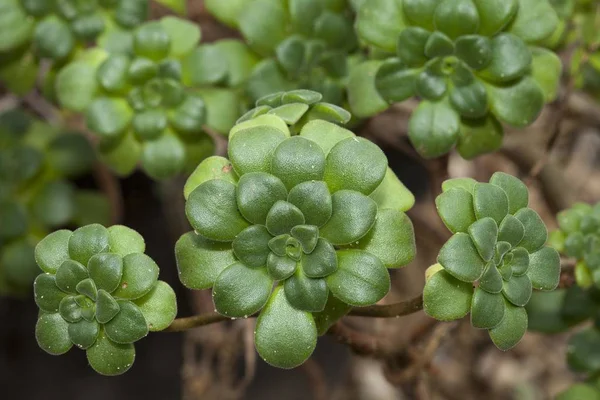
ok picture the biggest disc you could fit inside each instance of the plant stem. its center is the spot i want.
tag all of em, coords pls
(384, 311)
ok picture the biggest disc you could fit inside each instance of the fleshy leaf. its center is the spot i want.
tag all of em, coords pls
(256, 194)
(240, 291)
(393, 194)
(214, 167)
(520, 261)
(306, 293)
(535, 21)
(321, 262)
(467, 184)
(445, 298)
(361, 278)
(511, 59)
(512, 328)
(333, 311)
(314, 200)
(47, 295)
(69, 309)
(69, 274)
(53, 250)
(52, 334)
(106, 269)
(433, 128)
(159, 306)
(251, 149)
(251, 246)
(106, 307)
(583, 351)
(282, 217)
(87, 287)
(484, 233)
(280, 267)
(491, 280)
(307, 235)
(460, 258)
(518, 104)
(487, 309)
(455, 207)
(515, 189)
(535, 230)
(353, 216)
(518, 290)
(490, 201)
(511, 230)
(544, 269)
(200, 261)
(109, 358)
(84, 333)
(128, 326)
(140, 273)
(495, 14)
(88, 241)
(298, 160)
(456, 17)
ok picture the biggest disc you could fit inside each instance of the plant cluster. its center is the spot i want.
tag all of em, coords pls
(318, 214)
(99, 292)
(472, 63)
(494, 259)
(36, 197)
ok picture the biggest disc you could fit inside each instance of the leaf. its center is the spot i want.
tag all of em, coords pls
(84, 333)
(535, 230)
(364, 98)
(517, 104)
(189, 115)
(200, 261)
(456, 17)
(490, 201)
(484, 233)
(298, 160)
(474, 50)
(307, 235)
(325, 134)
(151, 40)
(321, 262)
(240, 291)
(159, 306)
(179, 6)
(214, 167)
(334, 310)
(511, 230)
(439, 45)
(491, 280)
(52, 335)
(69, 310)
(128, 326)
(515, 189)
(106, 307)
(213, 212)
(392, 193)
(280, 267)
(124, 241)
(163, 158)
(495, 15)
(544, 269)
(109, 358)
(583, 350)
(460, 258)
(285, 337)
(455, 207)
(140, 273)
(411, 46)
(15, 28)
(445, 298)
(109, 117)
(511, 59)
(517, 290)
(470, 100)
(53, 250)
(122, 156)
(546, 70)
(76, 86)
(54, 203)
(479, 136)
(205, 65)
(69, 274)
(512, 328)
(251, 246)
(535, 21)
(222, 108)
(380, 23)
(306, 293)
(520, 261)
(360, 280)
(433, 128)
(106, 270)
(263, 24)
(282, 217)
(251, 149)
(88, 241)
(421, 12)
(240, 61)
(345, 166)
(487, 309)
(88, 288)
(352, 217)
(53, 39)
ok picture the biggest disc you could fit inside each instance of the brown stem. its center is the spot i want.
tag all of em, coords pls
(183, 324)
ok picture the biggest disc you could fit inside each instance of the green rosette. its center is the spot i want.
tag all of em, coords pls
(470, 76)
(495, 258)
(318, 215)
(99, 292)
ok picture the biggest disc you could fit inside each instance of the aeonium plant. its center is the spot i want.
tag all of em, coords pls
(289, 225)
(474, 64)
(495, 258)
(99, 292)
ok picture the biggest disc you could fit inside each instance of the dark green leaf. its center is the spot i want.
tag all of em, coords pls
(53, 250)
(433, 128)
(487, 310)
(128, 326)
(280, 267)
(52, 335)
(251, 246)
(106, 307)
(445, 298)
(460, 258)
(159, 306)
(512, 328)
(69, 274)
(282, 217)
(109, 358)
(544, 269)
(321, 262)
(535, 230)
(517, 290)
(314, 200)
(84, 333)
(251, 149)
(490, 201)
(455, 207)
(88, 241)
(106, 269)
(353, 216)
(140, 273)
(47, 295)
(306, 293)
(484, 233)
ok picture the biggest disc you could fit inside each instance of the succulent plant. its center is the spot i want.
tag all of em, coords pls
(99, 292)
(318, 215)
(35, 196)
(307, 44)
(494, 259)
(470, 76)
(137, 102)
(579, 391)
(57, 29)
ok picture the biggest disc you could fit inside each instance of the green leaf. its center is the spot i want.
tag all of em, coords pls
(106, 270)
(109, 358)
(511, 230)
(546, 70)
(290, 113)
(213, 212)
(240, 291)
(517, 104)
(84, 333)
(411, 46)
(517, 290)
(487, 309)
(222, 108)
(433, 128)
(200, 261)
(360, 280)
(580, 391)
(307, 235)
(364, 98)
(479, 136)
(184, 34)
(460, 258)
(282, 217)
(333, 311)
(69, 310)
(76, 86)
(106, 307)
(314, 200)
(122, 156)
(124, 240)
(325, 134)
(535, 230)
(445, 298)
(15, 27)
(346, 166)
(306, 293)
(512, 328)
(149, 124)
(53, 39)
(52, 334)
(54, 204)
(298, 160)
(205, 65)
(392, 239)
(151, 40)
(321, 262)
(544, 269)
(394, 81)
(285, 337)
(69, 274)
(256, 194)
(112, 73)
(140, 273)
(88, 241)
(260, 120)
(87, 287)
(251, 149)
(484, 233)
(470, 100)
(128, 326)
(214, 167)
(511, 59)
(474, 50)
(141, 70)
(353, 216)
(263, 24)
(159, 306)
(392, 193)
(251, 246)
(421, 12)
(455, 207)
(439, 45)
(380, 23)
(280, 267)
(491, 280)
(490, 201)
(430, 86)
(515, 189)
(535, 21)
(456, 17)
(53, 250)
(165, 157)
(109, 117)
(583, 351)
(189, 115)
(495, 15)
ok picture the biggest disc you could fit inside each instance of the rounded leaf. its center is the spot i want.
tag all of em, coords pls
(511, 59)
(487, 309)
(518, 290)
(433, 128)
(52, 334)
(460, 258)
(152, 40)
(159, 306)
(128, 326)
(251, 246)
(84, 333)
(535, 21)
(512, 328)
(306, 293)
(140, 273)
(544, 269)
(535, 230)
(106, 270)
(251, 149)
(214, 167)
(280, 267)
(445, 298)
(109, 358)
(455, 207)
(165, 157)
(257, 192)
(184, 35)
(47, 295)
(106, 307)
(124, 240)
(484, 233)
(298, 160)
(352, 217)
(88, 241)
(456, 17)
(321, 262)
(517, 104)
(69, 274)
(109, 117)
(53, 250)
(495, 15)
(282, 217)
(76, 86)
(314, 200)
